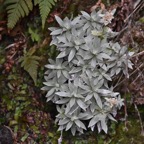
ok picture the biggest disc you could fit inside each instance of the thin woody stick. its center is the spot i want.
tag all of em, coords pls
(141, 124)
(130, 75)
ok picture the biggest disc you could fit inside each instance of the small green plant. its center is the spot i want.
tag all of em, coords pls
(79, 80)
(35, 37)
(17, 9)
(30, 63)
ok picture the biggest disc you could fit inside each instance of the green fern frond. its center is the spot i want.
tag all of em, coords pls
(17, 9)
(36, 2)
(45, 7)
(30, 64)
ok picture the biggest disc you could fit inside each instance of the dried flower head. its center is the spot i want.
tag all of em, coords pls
(111, 101)
(107, 17)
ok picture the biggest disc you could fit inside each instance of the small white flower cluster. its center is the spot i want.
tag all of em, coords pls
(107, 17)
(111, 101)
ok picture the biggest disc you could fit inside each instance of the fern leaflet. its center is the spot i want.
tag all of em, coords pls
(30, 63)
(45, 7)
(17, 9)
(36, 2)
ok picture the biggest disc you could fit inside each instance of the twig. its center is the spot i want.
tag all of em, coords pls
(130, 33)
(141, 124)
(60, 138)
(11, 45)
(127, 75)
(136, 78)
(138, 54)
(138, 68)
(119, 33)
(125, 106)
(126, 114)
(130, 75)
(13, 55)
(138, 7)
(118, 80)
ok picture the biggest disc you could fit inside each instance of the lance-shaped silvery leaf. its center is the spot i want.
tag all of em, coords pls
(62, 101)
(63, 54)
(93, 106)
(130, 64)
(81, 104)
(86, 15)
(56, 32)
(96, 54)
(119, 62)
(111, 118)
(78, 38)
(95, 16)
(101, 74)
(60, 67)
(115, 47)
(54, 41)
(65, 24)
(53, 85)
(73, 130)
(72, 122)
(79, 61)
(61, 114)
(76, 20)
(70, 110)
(91, 21)
(69, 125)
(94, 120)
(98, 99)
(75, 96)
(123, 50)
(104, 125)
(62, 39)
(75, 70)
(99, 118)
(71, 54)
(109, 33)
(86, 115)
(80, 124)
(92, 88)
(59, 20)
(107, 92)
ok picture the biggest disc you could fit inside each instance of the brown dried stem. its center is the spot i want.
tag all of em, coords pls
(141, 124)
